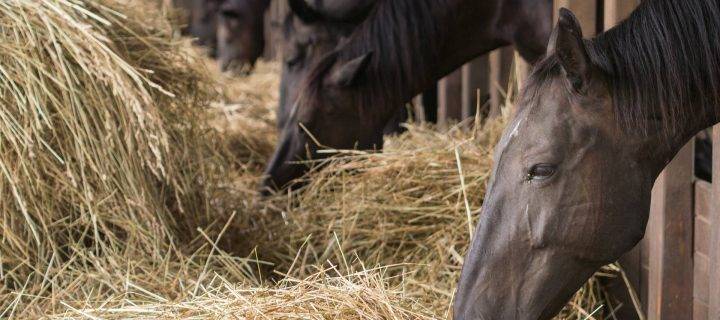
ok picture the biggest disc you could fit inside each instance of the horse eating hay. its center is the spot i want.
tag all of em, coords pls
(598, 121)
(403, 47)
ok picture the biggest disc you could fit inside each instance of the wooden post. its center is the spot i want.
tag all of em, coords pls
(584, 10)
(474, 77)
(701, 260)
(274, 16)
(617, 10)
(501, 61)
(714, 270)
(450, 98)
(522, 70)
(670, 238)
(495, 70)
(418, 109)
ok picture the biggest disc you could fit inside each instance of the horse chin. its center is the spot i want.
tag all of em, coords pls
(237, 68)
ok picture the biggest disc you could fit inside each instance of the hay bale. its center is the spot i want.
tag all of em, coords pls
(107, 164)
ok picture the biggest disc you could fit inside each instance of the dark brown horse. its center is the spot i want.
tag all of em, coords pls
(403, 47)
(573, 173)
(310, 32)
(241, 34)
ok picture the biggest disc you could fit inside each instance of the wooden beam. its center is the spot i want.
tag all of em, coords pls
(701, 283)
(501, 62)
(495, 58)
(475, 76)
(450, 98)
(714, 270)
(671, 240)
(584, 10)
(522, 70)
(617, 10)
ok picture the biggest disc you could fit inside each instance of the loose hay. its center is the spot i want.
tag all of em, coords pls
(117, 194)
(326, 294)
(106, 161)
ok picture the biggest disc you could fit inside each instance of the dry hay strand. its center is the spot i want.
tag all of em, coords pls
(107, 166)
(245, 115)
(326, 294)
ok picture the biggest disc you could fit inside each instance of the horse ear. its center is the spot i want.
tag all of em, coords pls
(303, 11)
(568, 45)
(349, 72)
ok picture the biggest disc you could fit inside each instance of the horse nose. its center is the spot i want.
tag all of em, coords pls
(265, 189)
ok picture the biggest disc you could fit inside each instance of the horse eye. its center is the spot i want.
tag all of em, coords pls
(231, 14)
(541, 171)
(293, 61)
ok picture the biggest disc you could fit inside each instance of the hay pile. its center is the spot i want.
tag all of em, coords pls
(107, 165)
(128, 174)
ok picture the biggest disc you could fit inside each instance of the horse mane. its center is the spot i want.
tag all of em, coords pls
(404, 39)
(660, 63)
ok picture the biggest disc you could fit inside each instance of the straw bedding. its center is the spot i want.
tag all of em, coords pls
(128, 172)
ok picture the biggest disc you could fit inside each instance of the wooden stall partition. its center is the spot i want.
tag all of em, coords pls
(450, 98)
(274, 19)
(584, 10)
(475, 77)
(669, 240)
(617, 10)
(714, 233)
(701, 250)
(501, 62)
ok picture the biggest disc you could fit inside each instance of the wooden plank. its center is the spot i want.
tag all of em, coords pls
(450, 98)
(475, 76)
(714, 276)
(585, 11)
(617, 10)
(501, 67)
(703, 205)
(418, 109)
(274, 17)
(495, 60)
(522, 70)
(671, 240)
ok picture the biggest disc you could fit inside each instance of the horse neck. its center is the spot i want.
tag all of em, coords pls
(414, 55)
(664, 62)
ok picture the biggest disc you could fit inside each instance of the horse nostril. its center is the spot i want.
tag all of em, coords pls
(265, 191)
